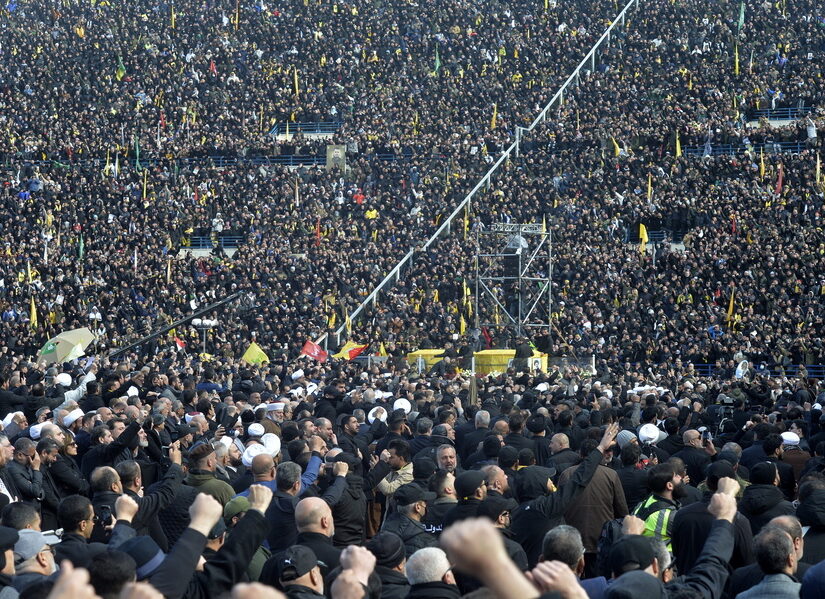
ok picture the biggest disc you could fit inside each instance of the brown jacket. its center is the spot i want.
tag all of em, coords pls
(602, 500)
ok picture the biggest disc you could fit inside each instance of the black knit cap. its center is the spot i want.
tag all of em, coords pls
(388, 549)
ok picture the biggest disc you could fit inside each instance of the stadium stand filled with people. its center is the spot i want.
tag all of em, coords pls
(144, 454)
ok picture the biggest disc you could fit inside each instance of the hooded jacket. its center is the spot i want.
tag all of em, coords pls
(811, 512)
(413, 533)
(761, 503)
(350, 514)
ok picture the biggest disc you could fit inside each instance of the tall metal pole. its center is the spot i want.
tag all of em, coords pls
(549, 234)
(478, 275)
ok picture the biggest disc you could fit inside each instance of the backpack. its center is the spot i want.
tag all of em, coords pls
(611, 532)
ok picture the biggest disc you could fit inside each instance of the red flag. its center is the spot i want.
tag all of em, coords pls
(162, 120)
(180, 343)
(778, 189)
(314, 351)
(212, 68)
(318, 232)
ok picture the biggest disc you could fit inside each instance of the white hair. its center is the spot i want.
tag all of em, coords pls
(482, 418)
(427, 565)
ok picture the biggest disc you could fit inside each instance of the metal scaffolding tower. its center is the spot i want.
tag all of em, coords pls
(514, 269)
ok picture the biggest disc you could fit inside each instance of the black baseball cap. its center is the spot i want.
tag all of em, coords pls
(631, 552)
(468, 482)
(494, 505)
(412, 493)
(296, 561)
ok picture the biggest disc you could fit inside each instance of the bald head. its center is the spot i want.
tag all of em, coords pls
(314, 515)
(690, 436)
(263, 466)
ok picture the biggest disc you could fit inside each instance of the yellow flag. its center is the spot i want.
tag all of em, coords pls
(382, 351)
(295, 79)
(254, 354)
(350, 350)
(462, 325)
(736, 60)
(168, 270)
(642, 238)
(729, 317)
(616, 149)
(29, 272)
(347, 323)
(33, 315)
(678, 146)
(466, 220)
(495, 117)
(761, 163)
(543, 223)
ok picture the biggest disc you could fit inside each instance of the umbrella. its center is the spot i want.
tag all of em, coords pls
(67, 346)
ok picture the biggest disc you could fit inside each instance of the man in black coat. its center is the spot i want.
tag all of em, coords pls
(106, 450)
(673, 442)
(469, 443)
(762, 500)
(106, 487)
(76, 517)
(313, 519)
(390, 561)
(694, 455)
(515, 438)
(411, 505)
(692, 525)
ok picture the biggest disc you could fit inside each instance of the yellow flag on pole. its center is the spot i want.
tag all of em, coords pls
(32, 315)
(678, 146)
(616, 149)
(729, 316)
(494, 120)
(255, 355)
(295, 80)
(382, 351)
(649, 186)
(736, 60)
(643, 239)
(761, 163)
(462, 325)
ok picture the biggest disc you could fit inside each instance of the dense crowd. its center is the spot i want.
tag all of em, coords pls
(149, 479)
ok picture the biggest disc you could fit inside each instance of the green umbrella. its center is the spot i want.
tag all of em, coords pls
(67, 346)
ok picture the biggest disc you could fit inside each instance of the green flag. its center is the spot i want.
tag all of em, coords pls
(437, 61)
(81, 248)
(121, 70)
(741, 14)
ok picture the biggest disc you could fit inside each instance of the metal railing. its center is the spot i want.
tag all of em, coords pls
(773, 147)
(588, 63)
(202, 242)
(816, 371)
(327, 127)
(789, 113)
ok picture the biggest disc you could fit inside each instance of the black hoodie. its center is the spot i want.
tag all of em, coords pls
(811, 512)
(761, 503)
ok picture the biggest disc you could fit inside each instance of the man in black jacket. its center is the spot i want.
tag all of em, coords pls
(299, 573)
(533, 518)
(313, 519)
(281, 511)
(107, 487)
(24, 470)
(695, 456)
(390, 563)
(76, 517)
(692, 524)
(405, 521)
(174, 575)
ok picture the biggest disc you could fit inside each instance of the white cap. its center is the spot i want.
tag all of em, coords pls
(371, 415)
(239, 444)
(250, 453)
(297, 374)
(402, 404)
(132, 392)
(275, 407)
(64, 378)
(542, 387)
(296, 391)
(272, 443)
(789, 438)
(72, 417)
(256, 429)
(34, 431)
(816, 406)
(312, 388)
(7, 420)
(649, 433)
(188, 417)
